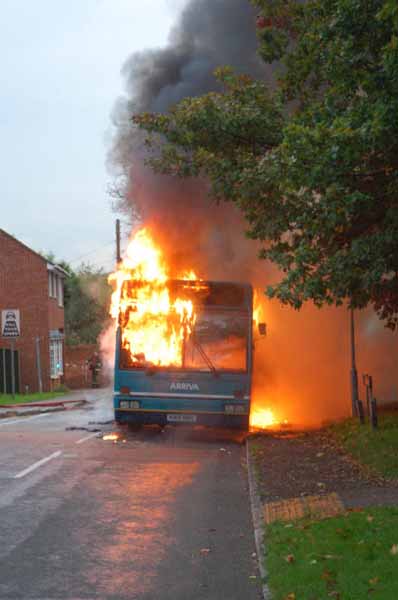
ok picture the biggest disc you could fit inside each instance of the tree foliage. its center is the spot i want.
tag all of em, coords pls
(87, 300)
(313, 161)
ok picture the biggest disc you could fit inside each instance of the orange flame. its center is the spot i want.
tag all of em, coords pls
(262, 418)
(154, 326)
(110, 437)
(258, 307)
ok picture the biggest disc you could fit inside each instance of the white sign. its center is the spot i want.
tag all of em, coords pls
(10, 323)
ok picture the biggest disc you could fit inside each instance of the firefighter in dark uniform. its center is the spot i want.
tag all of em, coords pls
(94, 365)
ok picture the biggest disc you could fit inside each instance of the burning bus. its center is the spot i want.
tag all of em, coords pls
(183, 345)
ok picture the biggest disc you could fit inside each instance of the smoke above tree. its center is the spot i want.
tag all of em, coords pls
(208, 33)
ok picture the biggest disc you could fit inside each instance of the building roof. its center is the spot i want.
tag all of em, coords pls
(50, 265)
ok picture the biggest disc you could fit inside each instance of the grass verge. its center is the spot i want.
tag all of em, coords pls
(256, 451)
(377, 449)
(350, 557)
(23, 398)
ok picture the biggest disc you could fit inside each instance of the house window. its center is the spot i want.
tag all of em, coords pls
(50, 284)
(56, 358)
(56, 286)
(60, 291)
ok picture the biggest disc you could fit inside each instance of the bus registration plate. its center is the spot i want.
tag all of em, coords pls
(181, 418)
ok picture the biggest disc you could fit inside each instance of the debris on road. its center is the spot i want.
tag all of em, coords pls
(89, 429)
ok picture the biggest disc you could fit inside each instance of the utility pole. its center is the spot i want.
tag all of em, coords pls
(118, 257)
(354, 372)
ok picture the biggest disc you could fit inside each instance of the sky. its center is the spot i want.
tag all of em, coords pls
(60, 77)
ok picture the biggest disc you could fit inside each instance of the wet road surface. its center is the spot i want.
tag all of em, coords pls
(149, 516)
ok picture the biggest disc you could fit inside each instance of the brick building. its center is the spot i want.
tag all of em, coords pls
(32, 293)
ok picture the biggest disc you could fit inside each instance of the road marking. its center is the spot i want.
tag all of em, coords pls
(37, 464)
(23, 419)
(88, 437)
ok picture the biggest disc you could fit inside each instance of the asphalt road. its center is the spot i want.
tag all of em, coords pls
(149, 516)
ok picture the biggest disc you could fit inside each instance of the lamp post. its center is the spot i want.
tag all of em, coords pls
(354, 372)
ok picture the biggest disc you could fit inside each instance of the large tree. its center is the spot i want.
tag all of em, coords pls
(311, 161)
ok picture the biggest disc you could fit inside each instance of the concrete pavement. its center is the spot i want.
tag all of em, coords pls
(70, 400)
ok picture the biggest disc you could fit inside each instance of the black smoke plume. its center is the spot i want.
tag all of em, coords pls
(208, 34)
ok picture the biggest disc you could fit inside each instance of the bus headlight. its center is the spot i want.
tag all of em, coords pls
(124, 404)
(134, 404)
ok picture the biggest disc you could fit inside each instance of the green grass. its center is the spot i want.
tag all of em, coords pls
(22, 398)
(350, 557)
(377, 449)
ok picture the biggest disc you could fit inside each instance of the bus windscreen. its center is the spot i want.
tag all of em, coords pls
(190, 325)
(218, 342)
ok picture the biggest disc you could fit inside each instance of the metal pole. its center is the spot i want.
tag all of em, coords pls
(373, 413)
(354, 372)
(12, 368)
(118, 257)
(361, 413)
(4, 371)
(370, 395)
(38, 365)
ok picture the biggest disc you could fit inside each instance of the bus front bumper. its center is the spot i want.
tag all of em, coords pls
(152, 417)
